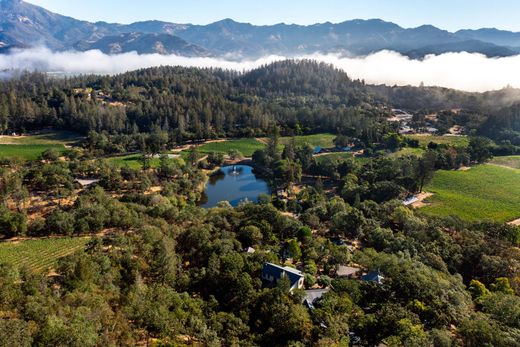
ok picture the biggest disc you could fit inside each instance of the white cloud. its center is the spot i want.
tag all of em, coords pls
(465, 71)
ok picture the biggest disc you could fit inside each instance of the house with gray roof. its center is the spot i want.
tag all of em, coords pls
(272, 273)
(312, 295)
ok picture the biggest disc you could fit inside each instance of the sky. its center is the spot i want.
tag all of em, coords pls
(450, 15)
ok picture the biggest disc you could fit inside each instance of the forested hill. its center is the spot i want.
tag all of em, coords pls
(191, 103)
(198, 103)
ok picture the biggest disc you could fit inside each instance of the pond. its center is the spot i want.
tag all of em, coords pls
(234, 184)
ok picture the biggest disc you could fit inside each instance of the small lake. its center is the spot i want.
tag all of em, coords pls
(234, 184)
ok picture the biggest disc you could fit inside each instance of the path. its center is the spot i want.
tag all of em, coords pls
(262, 140)
(196, 144)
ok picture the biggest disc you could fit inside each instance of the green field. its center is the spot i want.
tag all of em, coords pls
(32, 146)
(333, 156)
(407, 151)
(26, 152)
(483, 192)
(322, 140)
(245, 146)
(133, 161)
(511, 161)
(48, 138)
(40, 255)
(424, 140)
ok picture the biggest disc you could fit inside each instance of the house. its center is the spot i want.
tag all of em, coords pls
(317, 150)
(272, 273)
(343, 271)
(312, 295)
(373, 276)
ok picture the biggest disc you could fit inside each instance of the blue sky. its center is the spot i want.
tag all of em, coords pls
(446, 14)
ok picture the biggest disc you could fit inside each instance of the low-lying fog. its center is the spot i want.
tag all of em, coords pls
(465, 71)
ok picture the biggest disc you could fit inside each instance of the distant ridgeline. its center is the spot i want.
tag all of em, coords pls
(24, 24)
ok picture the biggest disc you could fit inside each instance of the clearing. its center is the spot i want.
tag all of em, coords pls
(324, 140)
(30, 147)
(246, 146)
(510, 161)
(41, 254)
(484, 192)
(425, 139)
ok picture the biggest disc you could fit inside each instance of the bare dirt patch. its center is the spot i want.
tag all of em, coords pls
(516, 222)
(420, 200)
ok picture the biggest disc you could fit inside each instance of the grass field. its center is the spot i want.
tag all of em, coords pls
(26, 152)
(511, 161)
(483, 192)
(407, 151)
(39, 255)
(133, 161)
(245, 146)
(32, 146)
(333, 156)
(48, 138)
(424, 140)
(322, 140)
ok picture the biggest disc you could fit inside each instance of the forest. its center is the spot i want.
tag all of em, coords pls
(152, 268)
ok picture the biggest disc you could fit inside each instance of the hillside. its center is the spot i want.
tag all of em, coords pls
(144, 43)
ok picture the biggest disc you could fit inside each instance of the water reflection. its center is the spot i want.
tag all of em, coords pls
(234, 184)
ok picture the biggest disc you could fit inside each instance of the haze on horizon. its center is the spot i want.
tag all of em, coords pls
(445, 14)
(463, 71)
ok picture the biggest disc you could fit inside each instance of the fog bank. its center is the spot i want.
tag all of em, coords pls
(464, 71)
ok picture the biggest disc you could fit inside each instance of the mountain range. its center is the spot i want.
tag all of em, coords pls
(24, 25)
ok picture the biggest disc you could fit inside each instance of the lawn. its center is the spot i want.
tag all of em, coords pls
(246, 146)
(407, 151)
(424, 140)
(333, 156)
(30, 147)
(511, 161)
(40, 255)
(26, 152)
(483, 192)
(47, 138)
(322, 140)
(133, 161)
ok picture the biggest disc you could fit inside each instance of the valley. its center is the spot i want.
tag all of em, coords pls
(270, 202)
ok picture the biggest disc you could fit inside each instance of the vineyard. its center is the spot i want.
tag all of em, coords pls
(39, 255)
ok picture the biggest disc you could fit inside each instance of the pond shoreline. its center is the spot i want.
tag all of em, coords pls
(224, 185)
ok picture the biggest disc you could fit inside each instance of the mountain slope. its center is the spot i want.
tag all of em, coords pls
(25, 25)
(144, 43)
(29, 25)
(498, 37)
(470, 46)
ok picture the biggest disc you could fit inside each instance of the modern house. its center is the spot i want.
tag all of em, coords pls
(272, 273)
